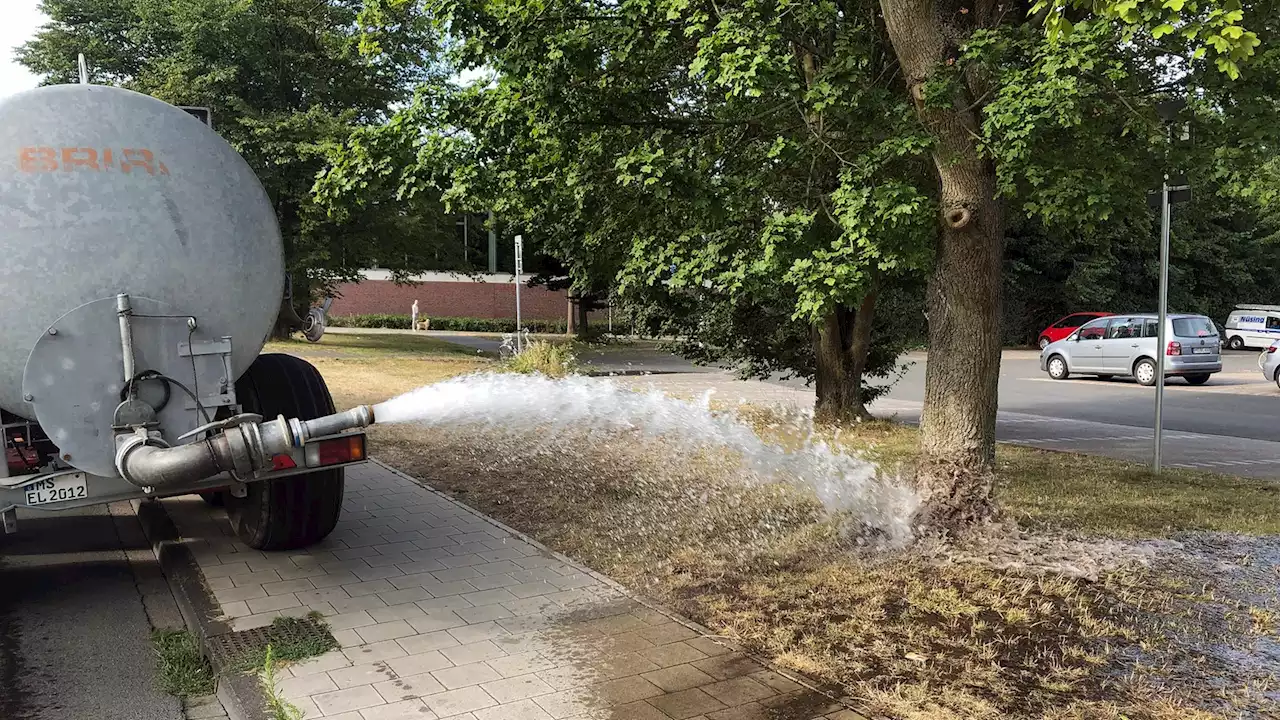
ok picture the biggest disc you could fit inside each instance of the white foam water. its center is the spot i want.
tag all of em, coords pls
(842, 482)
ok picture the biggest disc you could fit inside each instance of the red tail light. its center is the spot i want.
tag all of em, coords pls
(336, 451)
(1175, 348)
(1272, 348)
(283, 462)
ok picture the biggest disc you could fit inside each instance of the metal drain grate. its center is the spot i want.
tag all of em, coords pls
(289, 638)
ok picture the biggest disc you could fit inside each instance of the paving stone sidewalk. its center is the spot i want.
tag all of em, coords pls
(443, 613)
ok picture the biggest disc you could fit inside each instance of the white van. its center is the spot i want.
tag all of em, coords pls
(1253, 326)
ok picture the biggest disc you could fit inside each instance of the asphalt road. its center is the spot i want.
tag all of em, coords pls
(74, 638)
(1236, 403)
(1230, 425)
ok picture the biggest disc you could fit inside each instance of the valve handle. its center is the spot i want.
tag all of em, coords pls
(233, 421)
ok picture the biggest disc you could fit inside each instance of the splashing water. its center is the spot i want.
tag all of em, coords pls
(534, 403)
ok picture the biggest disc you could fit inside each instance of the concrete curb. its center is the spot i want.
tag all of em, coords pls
(241, 695)
(628, 593)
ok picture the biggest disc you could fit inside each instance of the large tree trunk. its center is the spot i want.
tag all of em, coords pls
(956, 472)
(571, 315)
(288, 319)
(841, 345)
(582, 315)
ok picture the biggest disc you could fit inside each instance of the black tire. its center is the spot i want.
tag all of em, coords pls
(1044, 343)
(1236, 342)
(214, 498)
(300, 510)
(1058, 369)
(1144, 371)
(1197, 379)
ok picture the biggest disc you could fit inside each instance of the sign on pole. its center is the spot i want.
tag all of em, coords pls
(519, 273)
(203, 114)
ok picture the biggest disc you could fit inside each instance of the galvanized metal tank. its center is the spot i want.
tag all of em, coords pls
(105, 191)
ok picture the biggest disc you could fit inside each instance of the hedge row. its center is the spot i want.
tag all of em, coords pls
(458, 324)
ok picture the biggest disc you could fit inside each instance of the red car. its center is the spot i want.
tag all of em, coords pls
(1067, 325)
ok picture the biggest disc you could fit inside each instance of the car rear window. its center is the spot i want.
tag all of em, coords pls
(1194, 327)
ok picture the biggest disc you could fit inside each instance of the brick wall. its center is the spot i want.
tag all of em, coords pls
(447, 296)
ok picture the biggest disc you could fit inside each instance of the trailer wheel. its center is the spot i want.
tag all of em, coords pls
(299, 510)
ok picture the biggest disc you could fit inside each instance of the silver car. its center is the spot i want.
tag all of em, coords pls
(1269, 362)
(1128, 345)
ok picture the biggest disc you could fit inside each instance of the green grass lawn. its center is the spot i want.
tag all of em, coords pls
(373, 345)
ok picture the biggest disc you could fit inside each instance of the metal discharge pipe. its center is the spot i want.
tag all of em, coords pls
(241, 449)
(359, 416)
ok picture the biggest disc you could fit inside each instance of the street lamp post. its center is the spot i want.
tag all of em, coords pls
(1173, 189)
(519, 272)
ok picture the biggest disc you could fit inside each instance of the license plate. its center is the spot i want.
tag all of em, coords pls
(64, 487)
(1201, 351)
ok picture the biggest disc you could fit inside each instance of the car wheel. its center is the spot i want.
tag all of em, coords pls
(1199, 379)
(1044, 343)
(1236, 342)
(1278, 377)
(1058, 368)
(1145, 372)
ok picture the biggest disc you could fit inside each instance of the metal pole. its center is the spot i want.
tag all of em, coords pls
(1162, 342)
(519, 270)
(493, 246)
(84, 70)
(124, 309)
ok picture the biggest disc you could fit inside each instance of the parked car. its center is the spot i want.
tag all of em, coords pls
(1127, 345)
(1253, 326)
(1067, 325)
(1269, 362)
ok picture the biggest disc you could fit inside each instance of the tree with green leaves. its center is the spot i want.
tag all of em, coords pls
(284, 79)
(759, 171)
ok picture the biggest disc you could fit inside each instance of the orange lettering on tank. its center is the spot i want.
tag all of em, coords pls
(40, 159)
(73, 158)
(37, 159)
(138, 158)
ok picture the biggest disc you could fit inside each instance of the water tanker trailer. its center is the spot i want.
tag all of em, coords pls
(141, 275)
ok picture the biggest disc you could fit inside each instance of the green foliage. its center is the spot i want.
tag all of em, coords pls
(1221, 254)
(675, 152)
(1211, 28)
(285, 80)
(289, 639)
(540, 357)
(736, 171)
(456, 324)
(182, 669)
(277, 706)
(371, 320)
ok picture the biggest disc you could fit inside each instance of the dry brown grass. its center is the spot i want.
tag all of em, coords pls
(372, 345)
(907, 637)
